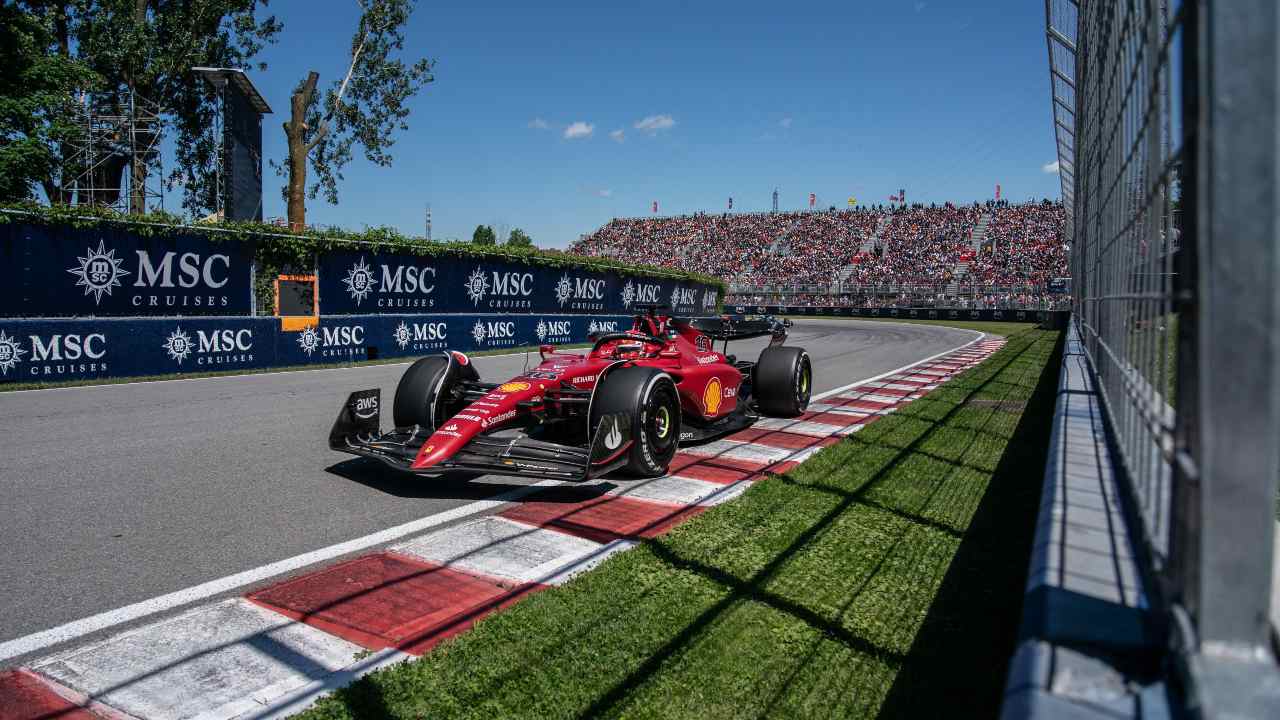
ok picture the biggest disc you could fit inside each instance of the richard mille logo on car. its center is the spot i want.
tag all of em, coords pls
(51, 355)
(634, 292)
(100, 272)
(554, 330)
(396, 286)
(505, 290)
(217, 347)
(494, 333)
(581, 293)
(423, 336)
(342, 341)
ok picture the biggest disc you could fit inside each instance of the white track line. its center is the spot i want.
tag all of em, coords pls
(77, 628)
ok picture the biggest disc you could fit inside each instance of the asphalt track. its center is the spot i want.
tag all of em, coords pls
(115, 494)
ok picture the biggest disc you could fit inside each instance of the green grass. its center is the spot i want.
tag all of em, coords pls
(255, 371)
(989, 327)
(881, 578)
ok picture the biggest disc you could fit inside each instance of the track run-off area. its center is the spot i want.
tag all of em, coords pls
(133, 503)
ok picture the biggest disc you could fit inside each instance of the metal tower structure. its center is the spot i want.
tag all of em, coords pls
(119, 134)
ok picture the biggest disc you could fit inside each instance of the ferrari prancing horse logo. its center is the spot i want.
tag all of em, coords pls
(711, 396)
(513, 387)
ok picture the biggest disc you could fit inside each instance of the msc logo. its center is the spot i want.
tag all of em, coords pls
(337, 341)
(413, 280)
(587, 293)
(556, 330)
(602, 326)
(219, 347)
(54, 354)
(683, 297)
(506, 288)
(494, 332)
(709, 298)
(99, 272)
(424, 336)
(634, 292)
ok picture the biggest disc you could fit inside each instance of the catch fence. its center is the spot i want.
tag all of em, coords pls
(1165, 115)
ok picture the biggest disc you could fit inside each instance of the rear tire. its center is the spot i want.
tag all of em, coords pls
(648, 397)
(783, 381)
(424, 395)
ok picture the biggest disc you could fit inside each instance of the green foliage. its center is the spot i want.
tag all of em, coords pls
(151, 48)
(36, 100)
(372, 107)
(484, 236)
(519, 239)
(279, 250)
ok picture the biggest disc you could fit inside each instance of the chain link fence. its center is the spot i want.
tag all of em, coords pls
(1165, 117)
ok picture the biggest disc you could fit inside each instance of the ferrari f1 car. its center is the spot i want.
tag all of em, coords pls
(626, 404)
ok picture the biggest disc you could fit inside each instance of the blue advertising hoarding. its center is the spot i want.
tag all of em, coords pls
(43, 350)
(354, 283)
(63, 271)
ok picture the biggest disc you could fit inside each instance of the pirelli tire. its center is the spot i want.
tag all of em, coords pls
(649, 399)
(783, 381)
(426, 394)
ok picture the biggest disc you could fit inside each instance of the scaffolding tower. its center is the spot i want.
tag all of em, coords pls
(118, 132)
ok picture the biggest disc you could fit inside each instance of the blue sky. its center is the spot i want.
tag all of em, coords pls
(945, 99)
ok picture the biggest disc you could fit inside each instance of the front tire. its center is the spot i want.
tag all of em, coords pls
(646, 398)
(783, 381)
(425, 396)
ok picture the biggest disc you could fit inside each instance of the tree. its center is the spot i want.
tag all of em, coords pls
(365, 108)
(519, 239)
(36, 96)
(484, 235)
(147, 48)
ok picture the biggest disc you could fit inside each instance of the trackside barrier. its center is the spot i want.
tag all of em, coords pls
(111, 271)
(33, 350)
(1048, 318)
(1088, 645)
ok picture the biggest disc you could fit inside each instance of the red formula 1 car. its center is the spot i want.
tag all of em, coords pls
(626, 404)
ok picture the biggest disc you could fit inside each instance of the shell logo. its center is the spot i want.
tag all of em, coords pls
(513, 386)
(711, 396)
(427, 450)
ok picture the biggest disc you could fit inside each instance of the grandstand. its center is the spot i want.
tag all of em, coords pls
(981, 255)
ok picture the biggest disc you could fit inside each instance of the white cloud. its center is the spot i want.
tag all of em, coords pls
(785, 122)
(618, 135)
(579, 129)
(1051, 168)
(654, 123)
(606, 192)
(538, 124)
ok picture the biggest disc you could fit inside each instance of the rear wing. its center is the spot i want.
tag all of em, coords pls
(728, 327)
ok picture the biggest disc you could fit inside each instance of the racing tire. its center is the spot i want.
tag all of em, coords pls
(425, 395)
(782, 381)
(649, 398)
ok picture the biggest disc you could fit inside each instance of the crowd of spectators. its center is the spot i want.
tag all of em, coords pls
(1022, 253)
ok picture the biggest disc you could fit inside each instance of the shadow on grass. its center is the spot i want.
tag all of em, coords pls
(959, 658)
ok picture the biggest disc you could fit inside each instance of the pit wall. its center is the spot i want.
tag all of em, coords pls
(41, 351)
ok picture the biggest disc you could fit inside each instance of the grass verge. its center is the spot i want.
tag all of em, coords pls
(258, 371)
(881, 578)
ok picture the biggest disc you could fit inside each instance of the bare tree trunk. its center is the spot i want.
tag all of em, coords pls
(294, 132)
(137, 165)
